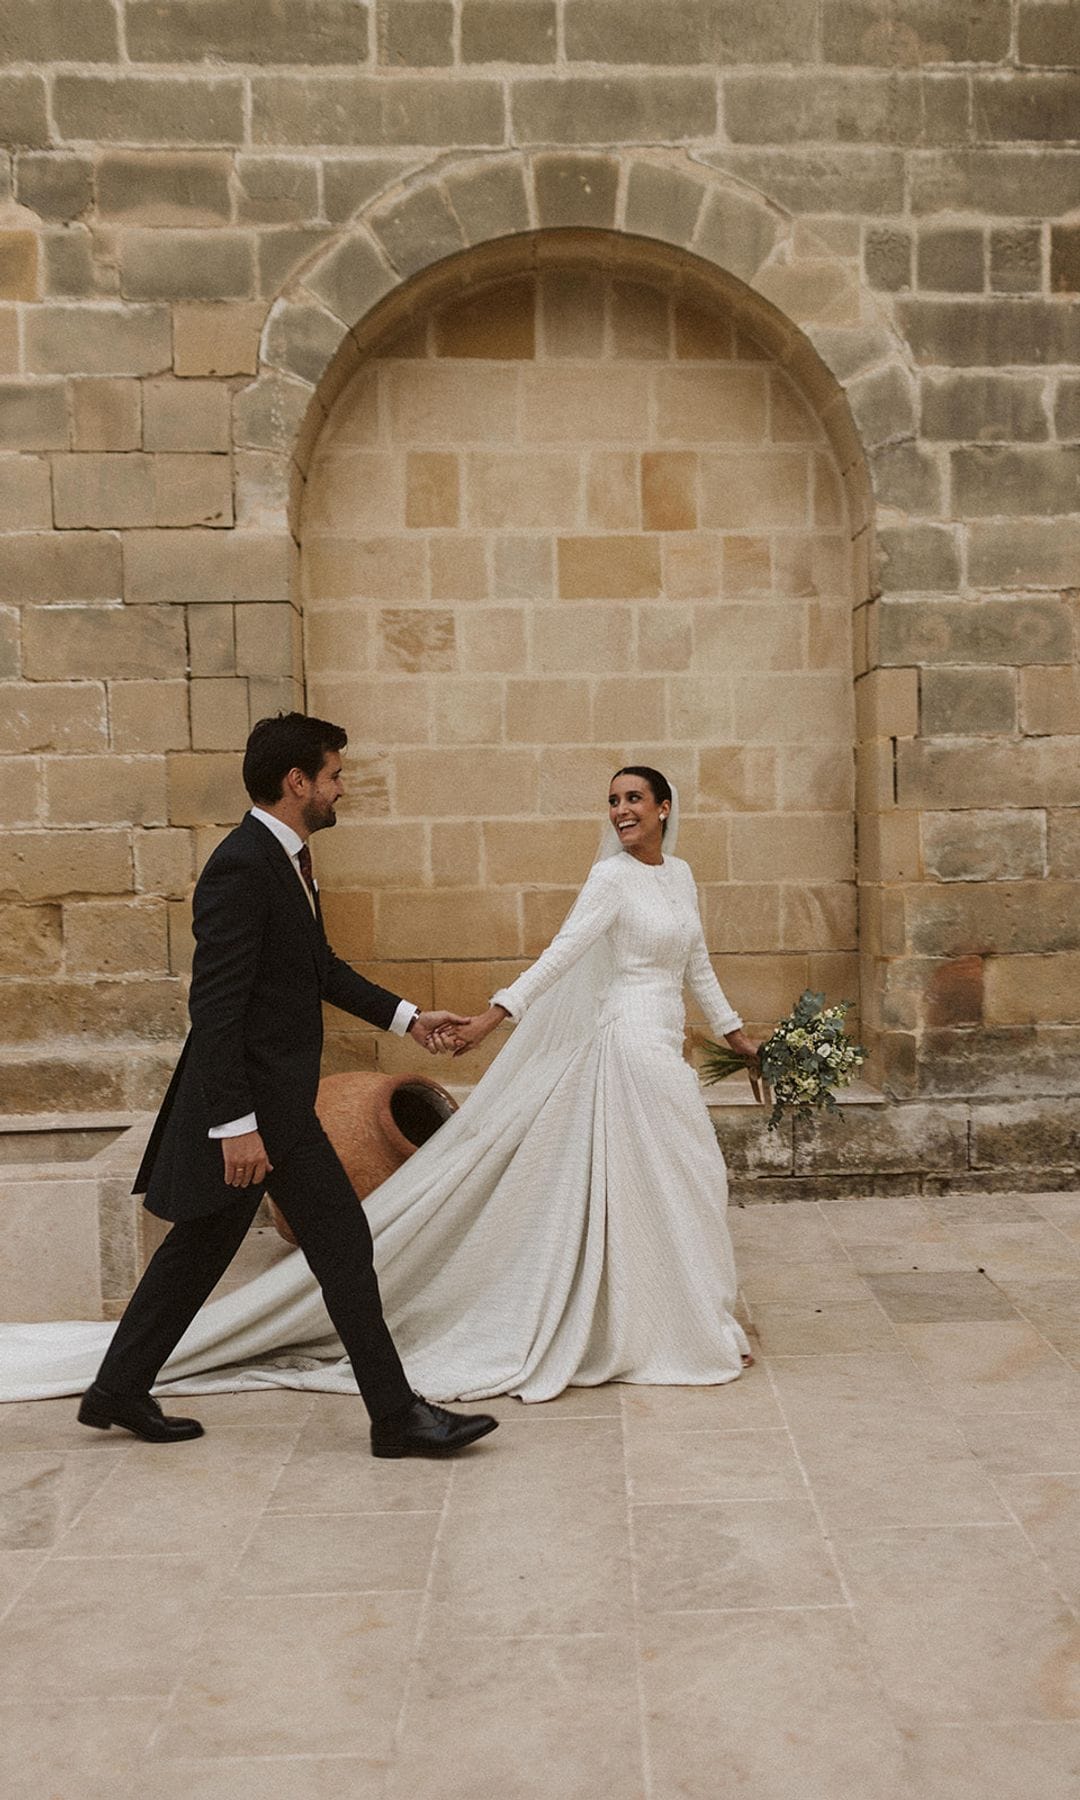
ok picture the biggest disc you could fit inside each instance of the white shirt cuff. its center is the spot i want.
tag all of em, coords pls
(403, 1018)
(235, 1127)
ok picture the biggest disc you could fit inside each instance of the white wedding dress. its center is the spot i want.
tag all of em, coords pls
(565, 1226)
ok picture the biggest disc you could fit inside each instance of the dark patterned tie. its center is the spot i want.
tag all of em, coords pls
(303, 857)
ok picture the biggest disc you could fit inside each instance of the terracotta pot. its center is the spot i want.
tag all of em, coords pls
(375, 1123)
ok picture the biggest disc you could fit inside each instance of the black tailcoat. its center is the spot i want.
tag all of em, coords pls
(262, 970)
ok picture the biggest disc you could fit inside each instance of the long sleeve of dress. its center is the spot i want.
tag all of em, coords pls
(593, 912)
(702, 982)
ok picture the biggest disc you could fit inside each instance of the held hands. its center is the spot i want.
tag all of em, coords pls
(476, 1029)
(439, 1032)
(246, 1161)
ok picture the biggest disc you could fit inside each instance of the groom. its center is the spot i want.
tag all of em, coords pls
(241, 1104)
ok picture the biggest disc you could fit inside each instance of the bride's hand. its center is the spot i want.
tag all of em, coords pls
(476, 1029)
(744, 1046)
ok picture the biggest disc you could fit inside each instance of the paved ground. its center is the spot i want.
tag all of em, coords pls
(854, 1575)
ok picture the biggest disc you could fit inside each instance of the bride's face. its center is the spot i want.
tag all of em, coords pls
(637, 816)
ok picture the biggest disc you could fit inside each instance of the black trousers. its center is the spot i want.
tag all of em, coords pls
(312, 1190)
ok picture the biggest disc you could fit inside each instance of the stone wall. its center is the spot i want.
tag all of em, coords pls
(210, 211)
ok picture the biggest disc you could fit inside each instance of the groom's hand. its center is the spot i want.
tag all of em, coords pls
(437, 1031)
(246, 1160)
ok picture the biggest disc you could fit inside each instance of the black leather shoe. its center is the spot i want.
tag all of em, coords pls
(424, 1429)
(137, 1413)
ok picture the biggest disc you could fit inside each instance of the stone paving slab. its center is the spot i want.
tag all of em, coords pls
(852, 1572)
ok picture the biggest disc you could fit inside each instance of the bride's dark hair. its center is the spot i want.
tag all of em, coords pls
(660, 785)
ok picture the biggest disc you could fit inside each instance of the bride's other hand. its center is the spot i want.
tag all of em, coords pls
(478, 1028)
(744, 1046)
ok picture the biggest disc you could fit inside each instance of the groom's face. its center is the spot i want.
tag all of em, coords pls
(323, 794)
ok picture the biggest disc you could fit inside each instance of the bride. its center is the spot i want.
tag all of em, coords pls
(567, 1225)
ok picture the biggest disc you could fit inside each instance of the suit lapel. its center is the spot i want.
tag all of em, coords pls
(281, 867)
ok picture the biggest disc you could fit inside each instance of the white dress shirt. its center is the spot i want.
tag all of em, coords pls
(291, 842)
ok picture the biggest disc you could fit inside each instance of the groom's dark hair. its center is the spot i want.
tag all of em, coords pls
(287, 741)
(660, 785)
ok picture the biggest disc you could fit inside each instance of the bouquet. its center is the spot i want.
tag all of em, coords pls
(805, 1057)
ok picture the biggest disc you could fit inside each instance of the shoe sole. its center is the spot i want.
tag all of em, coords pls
(437, 1449)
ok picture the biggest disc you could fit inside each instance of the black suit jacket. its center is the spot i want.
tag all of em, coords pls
(262, 970)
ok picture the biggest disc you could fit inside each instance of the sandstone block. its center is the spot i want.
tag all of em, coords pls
(186, 415)
(302, 340)
(106, 414)
(21, 791)
(822, 179)
(205, 788)
(613, 491)
(105, 790)
(1033, 990)
(489, 198)
(148, 715)
(215, 567)
(33, 415)
(967, 333)
(706, 405)
(1024, 1135)
(819, 917)
(46, 865)
(188, 265)
(508, 31)
(73, 263)
(1049, 34)
(556, 854)
(1025, 106)
(164, 863)
(418, 229)
(466, 923)
(211, 640)
(499, 324)
(50, 31)
(468, 709)
(888, 109)
(625, 709)
(1065, 259)
(618, 109)
(624, 567)
(887, 703)
(1023, 554)
(1016, 259)
(360, 109)
(18, 265)
(736, 232)
(883, 405)
(491, 640)
(377, 712)
(379, 853)
(794, 708)
(78, 643)
(743, 492)
(458, 567)
(918, 559)
(576, 190)
(1003, 919)
(350, 923)
(998, 478)
(416, 34)
(906, 478)
(455, 859)
(29, 940)
(437, 781)
(573, 313)
(557, 402)
(310, 31)
(662, 202)
(1024, 772)
(951, 259)
(158, 188)
(99, 489)
(984, 845)
(23, 108)
(390, 568)
(268, 414)
(152, 1008)
(742, 917)
(1064, 844)
(1050, 701)
(414, 639)
(443, 403)
(616, 32)
(276, 190)
(914, 33)
(432, 488)
(895, 1139)
(1067, 407)
(267, 640)
(10, 353)
(968, 702)
(521, 489)
(102, 339)
(48, 716)
(25, 494)
(150, 109)
(282, 251)
(887, 251)
(1002, 182)
(764, 845)
(106, 937)
(220, 339)
(737, 779)
(48, 568)
(976, 408)
(963, 631)
(669, 490)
